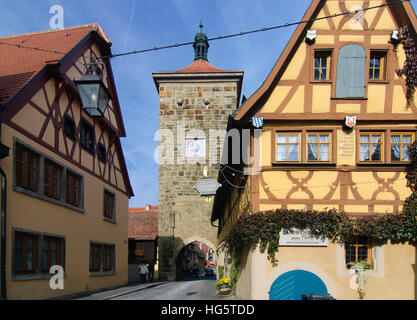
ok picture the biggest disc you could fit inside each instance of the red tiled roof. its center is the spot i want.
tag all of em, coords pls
(143, 224)
(19, 64)
(200, 66)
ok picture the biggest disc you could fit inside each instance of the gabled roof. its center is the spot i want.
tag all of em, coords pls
(27, 61)
(403, 11)
(143, 223)
(19, 62)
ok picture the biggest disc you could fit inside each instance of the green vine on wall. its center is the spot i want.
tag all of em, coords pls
(409, 69)
(263, 228)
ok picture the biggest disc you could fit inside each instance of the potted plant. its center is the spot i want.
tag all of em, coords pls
(223, 286)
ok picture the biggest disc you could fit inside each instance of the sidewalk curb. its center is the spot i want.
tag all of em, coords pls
(134, 290)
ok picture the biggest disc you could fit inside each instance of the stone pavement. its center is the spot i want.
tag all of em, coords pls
(117, 292)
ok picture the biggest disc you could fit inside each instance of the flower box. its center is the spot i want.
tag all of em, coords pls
(225, 289)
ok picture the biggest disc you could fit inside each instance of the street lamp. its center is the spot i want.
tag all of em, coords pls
(93, 93)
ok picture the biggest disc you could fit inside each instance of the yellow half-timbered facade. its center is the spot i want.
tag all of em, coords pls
(66, 188)
(336, 131)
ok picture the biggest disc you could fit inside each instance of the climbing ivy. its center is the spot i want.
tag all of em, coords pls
(409, 69)
(264, 228)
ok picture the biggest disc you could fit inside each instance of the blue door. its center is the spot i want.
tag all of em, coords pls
(291, 285)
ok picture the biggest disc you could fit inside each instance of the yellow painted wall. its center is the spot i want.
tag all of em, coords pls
(34, 214)
(78, 228)
(392, 279)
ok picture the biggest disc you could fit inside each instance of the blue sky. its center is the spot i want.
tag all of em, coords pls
(142, 24)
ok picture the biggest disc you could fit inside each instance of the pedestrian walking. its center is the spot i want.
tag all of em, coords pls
(151, 269)
(143, 271)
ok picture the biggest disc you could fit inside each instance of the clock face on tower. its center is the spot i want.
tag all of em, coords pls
(195, 147)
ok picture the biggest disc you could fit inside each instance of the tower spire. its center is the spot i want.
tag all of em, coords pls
(200, 44)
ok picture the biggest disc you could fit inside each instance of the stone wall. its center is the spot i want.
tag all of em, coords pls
(187, 106)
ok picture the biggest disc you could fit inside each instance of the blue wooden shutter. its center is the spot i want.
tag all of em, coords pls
(350, 81)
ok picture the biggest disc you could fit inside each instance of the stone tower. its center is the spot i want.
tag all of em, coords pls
(194, 106)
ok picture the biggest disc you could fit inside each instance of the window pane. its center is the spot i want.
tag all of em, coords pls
(317, 74)
(362, 254)
(282, 139)
(396, 139)
(365, 139)
(324, 152)
(406, 157)
(350, 254)
(312, 152)
(377, 74)
(364, 152)
(407, 139)
(324, 62)
(293, 139)
(317, 62)
(293, 152)
(371, 73)
(376, 138)
(29, 243)
(395, 152)
(29, 260)
(312, 138)
(324, 139)
(376, 152)
(45, 266)
(282, 153)
(18, 259)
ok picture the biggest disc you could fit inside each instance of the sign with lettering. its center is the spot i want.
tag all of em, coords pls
(301, 238)
(346, 146)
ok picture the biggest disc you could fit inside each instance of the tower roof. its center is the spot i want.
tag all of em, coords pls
(200, 44)
(200, 66)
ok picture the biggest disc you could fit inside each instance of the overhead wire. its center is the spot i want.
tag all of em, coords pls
(286, 25)
(224, 176)
(220, 37)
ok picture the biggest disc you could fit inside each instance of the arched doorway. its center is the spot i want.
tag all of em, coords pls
(291, 285)
(195, 260)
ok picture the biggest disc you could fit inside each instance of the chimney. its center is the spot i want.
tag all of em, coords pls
(147, 207)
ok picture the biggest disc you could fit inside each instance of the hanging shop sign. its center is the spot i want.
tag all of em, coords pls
(207, 187)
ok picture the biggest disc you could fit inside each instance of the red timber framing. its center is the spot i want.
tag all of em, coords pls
(57, 70)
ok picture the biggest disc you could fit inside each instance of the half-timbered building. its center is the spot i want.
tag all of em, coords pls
(66, 195)
(336, 130)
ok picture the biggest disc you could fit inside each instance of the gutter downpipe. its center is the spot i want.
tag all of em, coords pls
(3, 234)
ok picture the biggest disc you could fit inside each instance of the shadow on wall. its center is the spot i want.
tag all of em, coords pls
(168, 248)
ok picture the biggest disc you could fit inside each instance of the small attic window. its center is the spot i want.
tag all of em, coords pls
(377, 65)
(101, 152)
(321, 66)
(69, 127)
(87, 135)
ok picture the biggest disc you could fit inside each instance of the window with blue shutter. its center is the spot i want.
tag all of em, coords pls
(350, 81)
